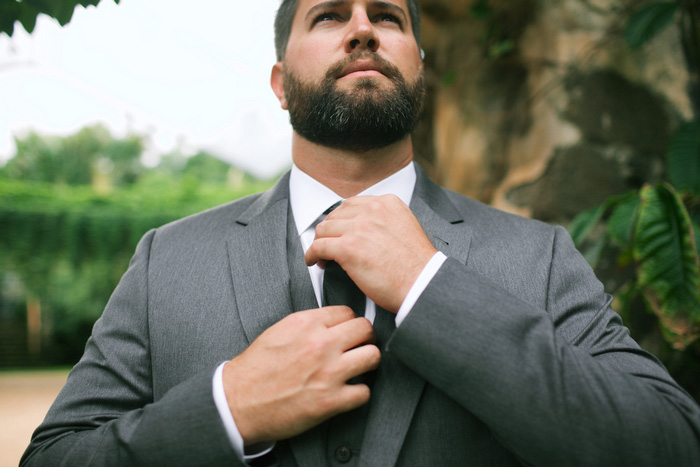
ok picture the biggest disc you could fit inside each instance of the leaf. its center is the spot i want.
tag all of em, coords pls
(9, 12)
(27, 18)
(501, 48)
(668, 266)
(593, 253)
(583, 223)
(648, 21)
(621, 222)
(44, 6)
(63, 11)
(482, 10)
(624, 298)
(684, 158)
(86, 3)
(26, 12)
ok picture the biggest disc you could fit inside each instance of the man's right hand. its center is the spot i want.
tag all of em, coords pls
(294, 375)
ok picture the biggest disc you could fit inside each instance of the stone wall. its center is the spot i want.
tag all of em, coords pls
(562, 117)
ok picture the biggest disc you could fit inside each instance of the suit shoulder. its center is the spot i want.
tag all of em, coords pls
(210, 223)
(493, 221)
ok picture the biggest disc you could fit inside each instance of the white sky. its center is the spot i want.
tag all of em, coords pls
(189, 74)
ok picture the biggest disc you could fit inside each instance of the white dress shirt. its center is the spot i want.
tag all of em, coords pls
(309, 199)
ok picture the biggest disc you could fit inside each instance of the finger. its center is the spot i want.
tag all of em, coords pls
(322, 248)
(332, 316)
(333, 228)
(355, 206)
(343, 211)
(374, 203)
(353, 333)
(352, 396)
(358, 361)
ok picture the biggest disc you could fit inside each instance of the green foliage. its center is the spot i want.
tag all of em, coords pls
(68, 242)
(668, 265)
(482, 10)
(648, 21)
(79, 159)
(501, 48)
(653, 229)
(584, 223)
(684, 158)
(497, 40)
(620, 226)
(26, 12)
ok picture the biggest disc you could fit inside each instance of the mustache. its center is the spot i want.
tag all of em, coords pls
(383, 66)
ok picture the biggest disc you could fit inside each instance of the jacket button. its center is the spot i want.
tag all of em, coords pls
(343, 454)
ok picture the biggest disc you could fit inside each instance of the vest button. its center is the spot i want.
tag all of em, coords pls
(343, 454)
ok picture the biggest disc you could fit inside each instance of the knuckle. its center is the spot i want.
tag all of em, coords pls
(350, 244)
(375, 355)
(325, 404)
(363, 394)
(316, 348)
(322, 228)
(375, 205)
(347, 311)
(301, 319)
(365, 323)
(390, 198)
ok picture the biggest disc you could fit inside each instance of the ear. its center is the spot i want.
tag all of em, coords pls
(277, 84)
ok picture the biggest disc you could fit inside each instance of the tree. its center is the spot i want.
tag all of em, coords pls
(65, 244)
(90, 156)
(26, 12)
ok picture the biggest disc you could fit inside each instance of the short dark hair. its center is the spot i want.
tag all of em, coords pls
(288, 9)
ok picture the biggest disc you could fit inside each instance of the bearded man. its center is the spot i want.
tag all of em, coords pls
(357, 313)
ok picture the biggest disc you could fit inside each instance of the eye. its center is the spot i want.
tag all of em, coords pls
(387, 17)
(323, 17)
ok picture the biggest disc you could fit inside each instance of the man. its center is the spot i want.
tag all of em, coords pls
(493, 343)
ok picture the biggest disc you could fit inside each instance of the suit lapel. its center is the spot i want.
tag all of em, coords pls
(258, 260)
(301, 288)
(397, 389)
(271, 280)
(444, 225)
(308, 447)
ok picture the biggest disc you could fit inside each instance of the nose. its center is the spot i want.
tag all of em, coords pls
(361, 34)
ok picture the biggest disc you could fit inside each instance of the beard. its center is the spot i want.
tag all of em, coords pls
(364, 118)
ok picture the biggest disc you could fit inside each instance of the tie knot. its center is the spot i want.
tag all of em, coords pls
(332, 207)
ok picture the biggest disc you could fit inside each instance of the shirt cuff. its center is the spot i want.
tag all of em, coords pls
(234, 435)
(419, 286)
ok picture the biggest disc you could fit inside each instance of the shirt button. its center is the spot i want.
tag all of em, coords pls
(343, 454)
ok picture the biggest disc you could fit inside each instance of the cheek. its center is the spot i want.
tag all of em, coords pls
(405, 52)
(410, 65)
(311, 59)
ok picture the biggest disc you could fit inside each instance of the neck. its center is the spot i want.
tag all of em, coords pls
(349, 173)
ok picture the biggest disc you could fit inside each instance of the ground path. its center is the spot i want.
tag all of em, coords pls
(25, 397)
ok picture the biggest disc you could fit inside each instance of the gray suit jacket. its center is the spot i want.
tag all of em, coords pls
(511, 355)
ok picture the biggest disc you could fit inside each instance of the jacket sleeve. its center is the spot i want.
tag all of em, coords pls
(564, 385)
(106, 413)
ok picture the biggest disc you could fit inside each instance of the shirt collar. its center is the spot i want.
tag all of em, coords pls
(310, 198)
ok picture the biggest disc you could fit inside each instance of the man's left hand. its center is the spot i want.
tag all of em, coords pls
(380, 244)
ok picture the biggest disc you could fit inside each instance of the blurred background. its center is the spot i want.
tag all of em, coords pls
(121, 117)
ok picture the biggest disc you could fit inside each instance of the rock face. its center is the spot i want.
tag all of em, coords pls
(538, 107)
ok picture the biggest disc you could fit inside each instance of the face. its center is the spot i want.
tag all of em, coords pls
(352, 64)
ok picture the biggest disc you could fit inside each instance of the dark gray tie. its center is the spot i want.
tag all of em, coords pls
(345, 431)
(338, 288)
